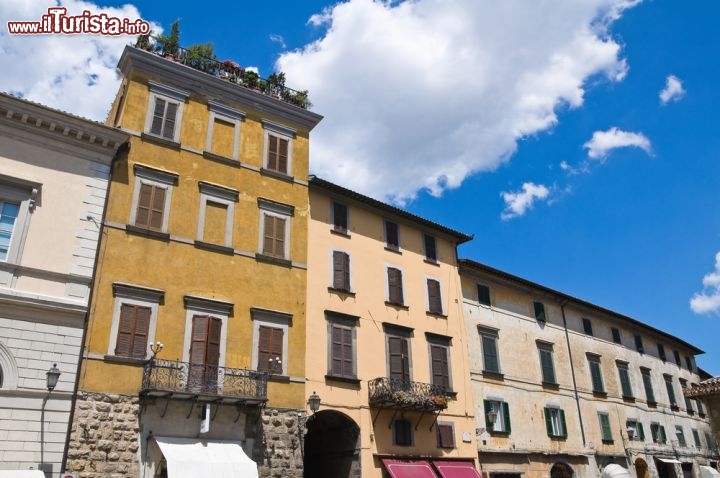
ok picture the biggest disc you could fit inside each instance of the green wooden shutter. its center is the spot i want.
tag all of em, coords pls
(158, 114)
(539, 311)
(546, 363)
(563, 423)
(605, 429)
(506, 416)
(548, 422)
(640, 431)
(488, 407)
(170, 116)
(490, 355)
(663, 437)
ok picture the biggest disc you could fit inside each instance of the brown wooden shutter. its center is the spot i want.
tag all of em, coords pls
(341, 270)
(391, 235)
(276, 346)
(125, 330)
(399, 363)
(440, 369)
(341, 352)
(446, 439)
(430, 249)
(158, 114)
(272, 162)
(133, 328)
(170, 116)
(282, 165)
(142, 326)
(268, 235)
(142, 216)
(158, 206)
(264, 334)
(213, 344)
(395, 292)
(199, 340)
(279, 237)
(434, 300)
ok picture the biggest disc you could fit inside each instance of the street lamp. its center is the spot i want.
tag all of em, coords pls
(52, 377)
(314, 402)
(491, 417)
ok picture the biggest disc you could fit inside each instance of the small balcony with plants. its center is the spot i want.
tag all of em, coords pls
(406, 395)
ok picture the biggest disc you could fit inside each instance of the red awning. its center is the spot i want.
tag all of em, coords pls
(456, 469)
(408, 468)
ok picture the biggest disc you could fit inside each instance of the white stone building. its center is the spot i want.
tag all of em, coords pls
(54, 170)
(566, 388)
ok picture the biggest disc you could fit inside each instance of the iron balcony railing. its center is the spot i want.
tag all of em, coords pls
(273, 86)
(406, 394)
(185, 378)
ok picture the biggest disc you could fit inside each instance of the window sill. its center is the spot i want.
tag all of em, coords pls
(493, 375)
(551, 385)
(691, 413)
(151, 138)
(147, 232)
(397, 306)
(499, 433)
(599, 394)
(451, 395)
(395, 250)
(439, 315)
(221, 159)
(607, 442)
(652, 404)
(215, 247)
(628, 399)
(558, 437)
(335, 378)
(346, 292)
(277, 175)
(272, 260)
(340, 232)
(432, 262)
(674, 408)
(701, 415)
(125, 360)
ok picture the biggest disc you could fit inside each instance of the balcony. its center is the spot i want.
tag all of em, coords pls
(273, 86)
(182, 380)
(406, 395)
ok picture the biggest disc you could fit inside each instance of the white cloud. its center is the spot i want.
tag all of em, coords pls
(602, 142)
(708, 300)
(673, 90)
(421, 94)
(520, 202)
(75, 73)
(275, 38)
(582, 168)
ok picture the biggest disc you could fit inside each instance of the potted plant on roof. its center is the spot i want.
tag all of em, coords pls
(171, 43)
(276, 84)
(201, 56)
(250, 79)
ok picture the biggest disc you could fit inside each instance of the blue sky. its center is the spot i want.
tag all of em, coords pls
(481, 116)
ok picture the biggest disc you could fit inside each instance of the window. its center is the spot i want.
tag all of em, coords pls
(278, 148)
(445, 435)
(392, 235)
(340, 217)
(639, 344)
(434, 297)
(596, 373)
(605, 430)
(696, 438)
(430, 248)
(398, 354)
(670, 390)
(134, 320)
(680, 433)
(661, 352)
(488, 339)
(677, 358)
(647, 383)
(275, 228)
(616, 335)
(151, 198)
(483, 294)
(539, 311)
(658, 433)
(341, 271)
(8, 216)
(547, 366)
(342, 345)
(17, 202)
(223, 136)
(501, 412)
(439, 360)
(270, 340)
(165, 110)
(688, 400)
(217, 209)
(587, 327)
(700, 409)
(688, 362)
(395, 286)
(555, 422)
(635, 430)
(709, 440)
(402, 433)
(625, 384)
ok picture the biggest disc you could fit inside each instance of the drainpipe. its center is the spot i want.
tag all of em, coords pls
(572, 371)
(86, 321)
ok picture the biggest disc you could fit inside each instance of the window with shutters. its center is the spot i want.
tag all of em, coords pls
(342, 346)
(624, 374)
(539, 309)
(402, 432)
(547, 363)
(392, 236)
(398, 357)
(700, 408)
(430, 248)
(677, 358)
(395, 286)
(488, 342)
(647, 384)
(204, 354)
(658, 433)
(605, 429)
(278, 148)
(670, 390)
(497, 416)
(587, 327)
(680, 434)
(340, 217)
(217, 209)
(555, 422)
(434, 297)
(688, 400)
(696, 439)
(639, 344)
(445, 434)
(595, 373)
(616, 335)
(635, 430)
(270, 340)
(275, 229)
(688, 362)
(151, 198)
(134, 320)
(439, 348)
(483, 294)
(709, 440)
(341, 271)
(17, 202)
(165, 109)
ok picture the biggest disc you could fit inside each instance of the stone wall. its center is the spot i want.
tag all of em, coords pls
(280, 452)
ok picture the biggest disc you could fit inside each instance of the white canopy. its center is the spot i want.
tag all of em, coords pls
(615, 471)
(21, 474)
(709, 472)
(669, 460)
(193, 457)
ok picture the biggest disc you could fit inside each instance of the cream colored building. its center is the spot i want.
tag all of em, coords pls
(54, 170)
(577, 390)
(386, 351)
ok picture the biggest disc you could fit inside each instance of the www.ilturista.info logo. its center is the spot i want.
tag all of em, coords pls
(57, 21)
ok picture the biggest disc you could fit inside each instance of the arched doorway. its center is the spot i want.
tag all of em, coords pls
(561, 470)
(332, 448)
(641, 469)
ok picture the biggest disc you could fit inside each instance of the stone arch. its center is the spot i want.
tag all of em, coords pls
(561, 470)
(332, 448)
(8, 369)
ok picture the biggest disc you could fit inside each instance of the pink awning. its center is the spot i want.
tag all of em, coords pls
(456, 469)
(408, 468)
